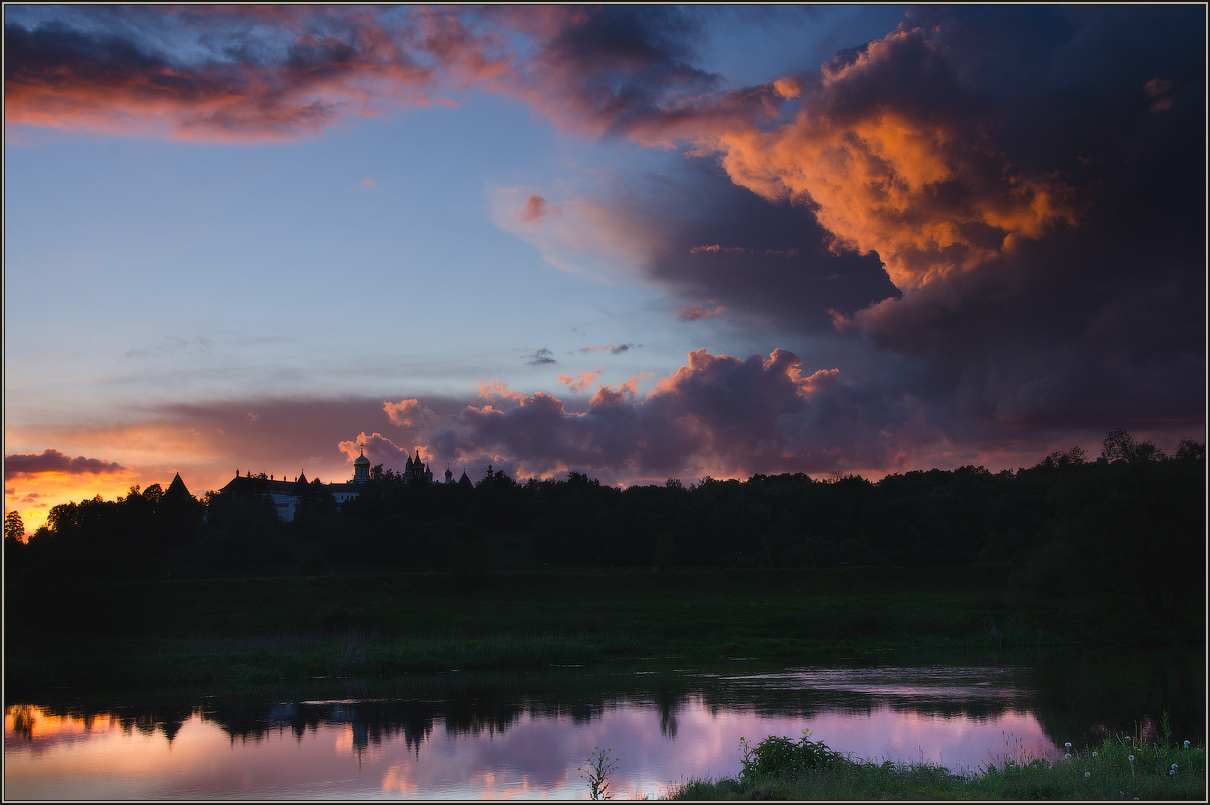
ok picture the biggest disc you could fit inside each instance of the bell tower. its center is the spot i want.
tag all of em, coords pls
(361, 467)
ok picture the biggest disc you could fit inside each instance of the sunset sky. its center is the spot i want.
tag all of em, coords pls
(634, 242)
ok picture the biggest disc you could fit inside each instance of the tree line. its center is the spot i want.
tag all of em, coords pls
(1130, 521)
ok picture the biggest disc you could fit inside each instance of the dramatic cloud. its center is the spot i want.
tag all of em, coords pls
(993, 215)
(717, 415)
(246, 74)
(236, 74)
(51, 460)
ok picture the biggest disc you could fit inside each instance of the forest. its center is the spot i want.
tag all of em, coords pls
(1130, 521)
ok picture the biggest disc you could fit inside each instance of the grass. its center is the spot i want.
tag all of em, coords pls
(1122, 768)
(181, 632)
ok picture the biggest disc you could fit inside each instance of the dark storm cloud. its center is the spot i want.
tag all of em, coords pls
(50, 460)
(1100, 325)
(1048, 223)
(729, 249)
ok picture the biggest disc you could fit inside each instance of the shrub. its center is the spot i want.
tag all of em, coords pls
(780, 755)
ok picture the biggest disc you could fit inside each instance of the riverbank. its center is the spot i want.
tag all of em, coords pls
(1126, 767)
(235, 631)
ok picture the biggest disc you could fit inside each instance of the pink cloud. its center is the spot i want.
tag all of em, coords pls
(378, 449)
(717, 414)
(698, 310)
(399, 413)
(580, 381)
(535, 208)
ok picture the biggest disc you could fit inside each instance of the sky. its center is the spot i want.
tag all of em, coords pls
(636, 242)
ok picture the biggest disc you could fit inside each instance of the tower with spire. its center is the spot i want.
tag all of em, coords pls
(416, 471)
(361, 467)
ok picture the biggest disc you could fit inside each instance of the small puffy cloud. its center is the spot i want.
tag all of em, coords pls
(51, 460)
(378, 449)
(699, 310)
(540, 357)
(535, 208)
(367, 182)
(580, 381)
(403, 412)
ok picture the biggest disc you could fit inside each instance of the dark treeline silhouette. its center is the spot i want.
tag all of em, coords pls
(1131, 521)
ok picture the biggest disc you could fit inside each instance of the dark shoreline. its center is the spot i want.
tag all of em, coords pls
(269, 630)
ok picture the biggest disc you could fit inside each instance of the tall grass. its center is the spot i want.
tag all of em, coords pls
(1125, 767)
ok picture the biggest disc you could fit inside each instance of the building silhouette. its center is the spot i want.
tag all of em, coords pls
(286, 494)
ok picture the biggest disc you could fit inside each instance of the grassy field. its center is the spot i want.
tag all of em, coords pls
(1123, 768)
(267, 629)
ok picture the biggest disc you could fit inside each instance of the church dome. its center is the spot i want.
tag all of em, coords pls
(361, 461)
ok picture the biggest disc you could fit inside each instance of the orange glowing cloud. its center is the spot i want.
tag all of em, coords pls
(499, 390)
(925, 189)
(580, 381)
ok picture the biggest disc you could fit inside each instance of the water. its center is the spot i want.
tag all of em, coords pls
(459, 735)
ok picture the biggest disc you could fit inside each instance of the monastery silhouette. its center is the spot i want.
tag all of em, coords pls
(286, 494)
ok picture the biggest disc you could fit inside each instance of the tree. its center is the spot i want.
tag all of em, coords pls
(14, 527)
(1121, 446)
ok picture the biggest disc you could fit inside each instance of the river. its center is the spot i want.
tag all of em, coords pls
(463, 735)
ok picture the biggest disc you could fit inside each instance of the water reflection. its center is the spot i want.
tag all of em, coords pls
(458, 735)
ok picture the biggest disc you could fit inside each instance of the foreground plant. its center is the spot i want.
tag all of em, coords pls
(600, 766)
(1125, 767)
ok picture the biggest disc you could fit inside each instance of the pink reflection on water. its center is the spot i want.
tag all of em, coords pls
(537, 756)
